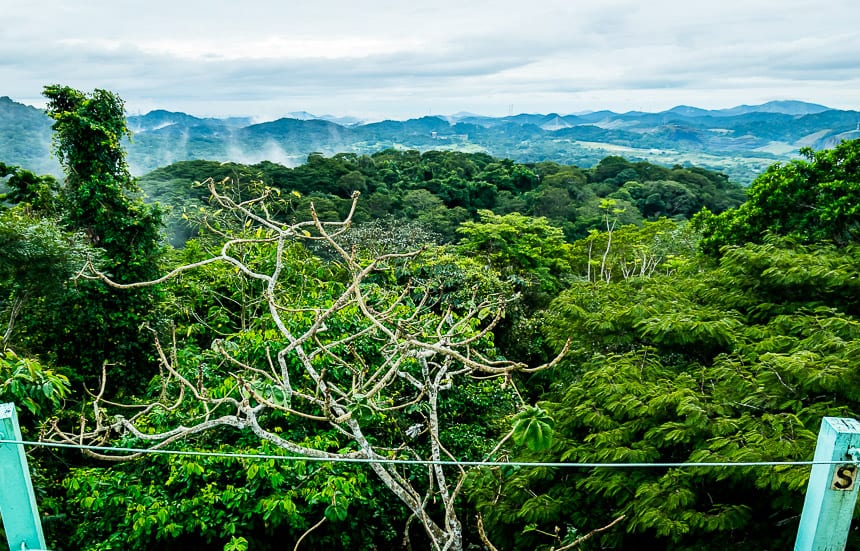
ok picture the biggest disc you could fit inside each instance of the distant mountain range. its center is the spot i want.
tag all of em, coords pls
(741, 141)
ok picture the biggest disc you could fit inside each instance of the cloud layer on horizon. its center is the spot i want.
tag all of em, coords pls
(387, 59)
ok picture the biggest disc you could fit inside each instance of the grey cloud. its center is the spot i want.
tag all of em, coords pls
(460, 52)
(148, 70)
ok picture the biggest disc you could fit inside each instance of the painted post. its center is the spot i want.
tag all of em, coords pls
(17, 501)
(832, 491)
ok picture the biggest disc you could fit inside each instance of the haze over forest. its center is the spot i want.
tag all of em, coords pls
(740, 141)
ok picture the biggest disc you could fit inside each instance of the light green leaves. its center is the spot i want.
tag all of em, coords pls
(533, 428)
(236, 544)
(30, 384)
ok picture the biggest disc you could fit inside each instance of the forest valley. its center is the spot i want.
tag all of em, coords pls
(439, 307)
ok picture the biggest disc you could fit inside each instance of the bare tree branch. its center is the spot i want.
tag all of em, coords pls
(308, 531)
(313, 369)
(578, 541)
(483, 535)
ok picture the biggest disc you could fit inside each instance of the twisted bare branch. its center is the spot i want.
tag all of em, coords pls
(317, 374)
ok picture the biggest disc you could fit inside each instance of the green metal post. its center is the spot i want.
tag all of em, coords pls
(832, 491)
(17, 501)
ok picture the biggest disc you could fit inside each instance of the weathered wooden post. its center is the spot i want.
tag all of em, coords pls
(17, 501)
(832, 490)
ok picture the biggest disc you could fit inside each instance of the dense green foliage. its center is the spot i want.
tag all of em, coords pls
(723, 340)
(87, 326)
(738, 363)
(440, 190)
(810, 200)
(734, 362)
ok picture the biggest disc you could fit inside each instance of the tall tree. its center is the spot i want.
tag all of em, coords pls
(99, 192)
(89, 325)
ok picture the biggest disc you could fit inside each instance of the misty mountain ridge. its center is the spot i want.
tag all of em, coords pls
(740, 141)
(160, 118)
(153, 120)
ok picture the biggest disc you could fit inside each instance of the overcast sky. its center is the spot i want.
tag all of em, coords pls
(399, 59)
